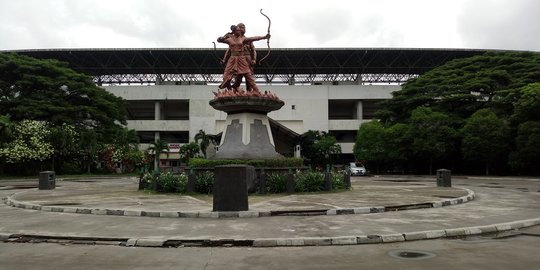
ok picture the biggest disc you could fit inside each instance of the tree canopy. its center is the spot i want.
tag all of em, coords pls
(48, 90)
(484, 137)
(462, 86)
(319, 147)
(50, 113)
(493, 100)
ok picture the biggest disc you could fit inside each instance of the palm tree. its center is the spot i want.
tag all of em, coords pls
(205, 139)
(158, 147)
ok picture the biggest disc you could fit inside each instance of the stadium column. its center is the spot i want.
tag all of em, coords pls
(359, 110)
(157, 116)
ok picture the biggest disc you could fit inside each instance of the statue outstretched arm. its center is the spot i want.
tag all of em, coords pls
(257, 38)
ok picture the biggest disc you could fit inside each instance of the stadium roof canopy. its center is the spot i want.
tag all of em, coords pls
(298, 65)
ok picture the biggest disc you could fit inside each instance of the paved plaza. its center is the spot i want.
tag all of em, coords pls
(388, 212)
(89, 208)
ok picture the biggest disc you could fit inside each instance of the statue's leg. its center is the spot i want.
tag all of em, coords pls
(250, 83)
(226, 83)
(237, 81)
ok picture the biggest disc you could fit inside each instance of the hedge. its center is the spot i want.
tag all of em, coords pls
(271, 163)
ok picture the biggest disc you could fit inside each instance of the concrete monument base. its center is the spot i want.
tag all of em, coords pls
(247, 133)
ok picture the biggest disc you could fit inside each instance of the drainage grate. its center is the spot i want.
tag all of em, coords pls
(411, 254)
(408, 207)
(60, 204)
(318, 212)
(208, 243)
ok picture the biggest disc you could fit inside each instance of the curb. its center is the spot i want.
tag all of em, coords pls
(278, 242)
(242, 214)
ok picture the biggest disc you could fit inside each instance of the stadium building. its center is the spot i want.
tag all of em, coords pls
(332, 90)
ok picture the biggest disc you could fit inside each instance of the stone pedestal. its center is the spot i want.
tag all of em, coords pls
(247, 136)
(247, 133)
(230, 187)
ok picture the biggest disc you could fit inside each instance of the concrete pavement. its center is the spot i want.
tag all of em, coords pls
(476, 252)
(501, 204)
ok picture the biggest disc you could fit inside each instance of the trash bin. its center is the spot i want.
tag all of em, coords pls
(444, 178)
(47, 180)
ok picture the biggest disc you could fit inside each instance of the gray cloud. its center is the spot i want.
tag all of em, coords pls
(501, 24)
(323, 25)
(68, 23)
(38, 24)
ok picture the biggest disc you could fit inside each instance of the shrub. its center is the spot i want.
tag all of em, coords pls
(276, 182)
(148, 177)
(173, 183)
(204, 182)
(276, 162)
(338, 180)
(284, 162)
(309, 181)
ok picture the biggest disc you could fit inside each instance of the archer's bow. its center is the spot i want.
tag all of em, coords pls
(268, 40)
(220, 60)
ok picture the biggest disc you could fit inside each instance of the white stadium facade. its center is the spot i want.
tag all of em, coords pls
(333, 90)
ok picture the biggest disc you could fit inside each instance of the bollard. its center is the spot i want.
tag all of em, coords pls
(289, 185)
(444, 178)
(327, 181)
(47, 180)
(251, 179)
(155, 181)
(142, 182)
(190, 187)
(347, 177)
(262, 182)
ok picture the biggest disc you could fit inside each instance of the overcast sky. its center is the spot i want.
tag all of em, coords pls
(479, 24)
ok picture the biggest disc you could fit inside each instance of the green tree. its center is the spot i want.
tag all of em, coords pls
(432, 135)
(326, 148)
(398, 145)
(188, 151)
(307, 140)
(370, 144)
(89, 149)
(484, 138)
(527, 153)
(157, 148)
(526, 120)
(462, 86)
(527, 106)
(505, 82)
(47, 90)
(65, 141)
(319, 147)
(125, 144)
